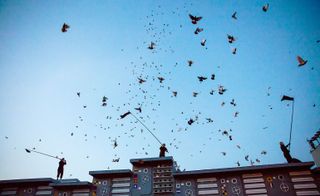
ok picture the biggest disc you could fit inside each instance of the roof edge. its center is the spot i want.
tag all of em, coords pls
(244, 169)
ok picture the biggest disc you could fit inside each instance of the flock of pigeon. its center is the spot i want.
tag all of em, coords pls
(143, 79)
(147, 84)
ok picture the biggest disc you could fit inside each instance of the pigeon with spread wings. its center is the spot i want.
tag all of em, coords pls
(234, 15)
(301, 61)
(194, 19)
(198, 30)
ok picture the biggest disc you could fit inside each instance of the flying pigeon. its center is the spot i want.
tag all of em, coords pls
(174, 93)
(190, 63)
(263, 152)
(221, 90)
(213, 76)
(194, 94)
(231, 39)
(246, 157)
(198, 30)
(225, 133)
(151, 46)
(115, 143)
(190, 121)
(138, 109)
(234, 15)
(234, 50)
(161, 79)
(233, 103)
(223, 153)
(301, 61)
(209, 120)
(141, 80)
(104, 101)
(201, 78)
(116, 160)
(78, 93)
(203, 42)
(265, 7)
(65, 28)
(194, 19)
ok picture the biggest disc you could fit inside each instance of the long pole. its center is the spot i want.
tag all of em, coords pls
(146, 128)
(28, 150)
(292, 111)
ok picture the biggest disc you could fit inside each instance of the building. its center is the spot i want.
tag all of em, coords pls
(160, 176)
(27, 187)
(315, 148)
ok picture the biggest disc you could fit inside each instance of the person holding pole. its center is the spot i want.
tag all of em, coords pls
(286, 152)
(163, 150)
(62, 162)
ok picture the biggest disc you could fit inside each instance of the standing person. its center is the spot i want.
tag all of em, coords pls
(286, 152)
(163, 150)
(62, 162)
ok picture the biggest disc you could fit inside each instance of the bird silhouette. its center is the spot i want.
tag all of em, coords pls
(141, 80)
(198, 30)
(231, 39)
(65, 28)
(234, 15)
(201, 78)
(203, 42)
(161, 79)
(194, 19)
(301, 61)
(151, 46)
(190, 63)
(265, 7)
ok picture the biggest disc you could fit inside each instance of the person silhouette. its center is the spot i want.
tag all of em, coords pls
(62, 162)
(163, 150)
(286, 152)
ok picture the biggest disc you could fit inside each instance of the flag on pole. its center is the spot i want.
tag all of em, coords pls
(287, 98)
(125, 114)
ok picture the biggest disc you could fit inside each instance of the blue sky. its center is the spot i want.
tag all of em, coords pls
(105, 51)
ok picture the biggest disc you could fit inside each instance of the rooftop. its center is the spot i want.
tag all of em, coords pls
(71, 184)
(111, 173)
(26, 182)
(260, 168)
(152, 161)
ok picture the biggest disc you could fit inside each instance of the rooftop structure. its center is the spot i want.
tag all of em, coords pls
(160, 176)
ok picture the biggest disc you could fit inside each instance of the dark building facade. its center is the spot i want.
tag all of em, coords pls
(160, 176)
